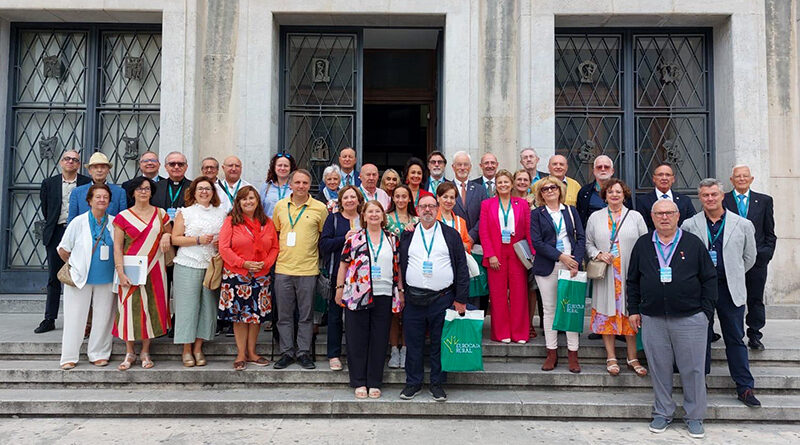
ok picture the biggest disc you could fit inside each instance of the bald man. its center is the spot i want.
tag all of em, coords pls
(557, 166)
(369, 186)
(488, 167)
(228, 186)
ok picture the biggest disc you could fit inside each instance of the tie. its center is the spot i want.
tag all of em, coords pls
(665, 196)
(490, 187)
(464, 194)
(740, 205)
(347, 180)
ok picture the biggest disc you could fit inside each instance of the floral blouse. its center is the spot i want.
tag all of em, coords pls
(357, 292)
(396, 226)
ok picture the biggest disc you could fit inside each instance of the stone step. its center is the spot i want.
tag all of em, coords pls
(38, 374)
(462, 403)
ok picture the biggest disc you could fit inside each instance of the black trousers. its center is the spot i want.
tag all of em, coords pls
(367, 333)
(54, 264)
(754, 280)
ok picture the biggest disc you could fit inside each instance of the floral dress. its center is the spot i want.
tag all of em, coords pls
(617, 324)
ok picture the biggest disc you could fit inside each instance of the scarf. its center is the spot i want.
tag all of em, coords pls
(257, 230)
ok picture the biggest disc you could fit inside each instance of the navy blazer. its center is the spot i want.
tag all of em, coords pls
(761, 214)
(356, 178)
(331, 242)
(458, 259)
(50, 199)
(645, 201)
(584, 198)
(543, 236)
(476, 193)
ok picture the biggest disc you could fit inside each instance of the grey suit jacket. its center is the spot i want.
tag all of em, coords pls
(738, 249)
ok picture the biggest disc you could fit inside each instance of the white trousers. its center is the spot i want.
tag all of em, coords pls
(76, 311)
(548, 286)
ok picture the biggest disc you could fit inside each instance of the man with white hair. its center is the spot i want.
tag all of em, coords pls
(529, 160)
(229, 186)
(589, 200)
(169, 194)
(731, 244)
(369, 186)
(470, 194)
(756, 207)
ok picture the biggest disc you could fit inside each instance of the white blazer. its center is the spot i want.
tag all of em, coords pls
(78, 242)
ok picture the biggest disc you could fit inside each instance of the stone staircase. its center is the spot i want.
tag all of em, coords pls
(512, 384)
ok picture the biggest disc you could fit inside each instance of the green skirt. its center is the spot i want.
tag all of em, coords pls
(479, 286)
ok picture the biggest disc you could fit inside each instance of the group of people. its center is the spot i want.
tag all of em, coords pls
(393, 252)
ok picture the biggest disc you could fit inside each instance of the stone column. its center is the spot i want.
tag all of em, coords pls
(498, 95)
(782, 23)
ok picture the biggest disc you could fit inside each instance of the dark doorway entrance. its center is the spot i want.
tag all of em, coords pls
(400, 90)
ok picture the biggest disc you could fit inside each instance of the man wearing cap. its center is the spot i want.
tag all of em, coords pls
(54, 196)
(98, 168)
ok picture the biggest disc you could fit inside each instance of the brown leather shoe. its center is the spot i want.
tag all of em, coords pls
(574, 366)
(551, 360)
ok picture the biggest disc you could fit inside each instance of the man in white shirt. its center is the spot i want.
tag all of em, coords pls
(369, 186)
(663, 179)
(229, 186)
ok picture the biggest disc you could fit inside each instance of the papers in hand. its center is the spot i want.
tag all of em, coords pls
(135, 268)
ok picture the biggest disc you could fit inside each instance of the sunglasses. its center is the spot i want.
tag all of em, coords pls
(176, 164)
(70, 159)
(549, 188)
(284, 155)
(603, 167)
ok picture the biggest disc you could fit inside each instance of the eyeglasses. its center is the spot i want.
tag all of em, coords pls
(209, 167)
(143, 189)
(148, 161)
(664, 214)
(427, 206)
(603, 167)
(176, 164)
(437, 161)
(284, 155)
(549, 188)
(203, 189)
(70, 159)
(663, 175)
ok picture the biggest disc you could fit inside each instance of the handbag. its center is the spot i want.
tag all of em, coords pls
(64, 274)
(596, 269)
(169, 255)
(523, 251)
(322, 287)
(213, 277)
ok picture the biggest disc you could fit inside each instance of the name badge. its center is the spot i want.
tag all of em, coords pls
(171, 212)
(427, 269)
(291, 239)
(615, 249)
(666, 274)
(560, 245)
(104, 255)
(506, 236)
(376, 272)
(713, 254)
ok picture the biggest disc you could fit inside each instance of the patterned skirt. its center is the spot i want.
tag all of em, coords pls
(244, 299)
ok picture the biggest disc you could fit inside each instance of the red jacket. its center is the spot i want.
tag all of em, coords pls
(236, 245)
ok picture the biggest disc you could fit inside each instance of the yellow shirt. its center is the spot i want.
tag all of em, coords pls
(302, 258)
(573, 187)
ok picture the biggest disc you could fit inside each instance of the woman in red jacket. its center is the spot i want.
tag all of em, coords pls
(248, 245)
(504, 221)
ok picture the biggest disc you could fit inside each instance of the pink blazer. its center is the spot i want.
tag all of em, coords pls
(489, 226)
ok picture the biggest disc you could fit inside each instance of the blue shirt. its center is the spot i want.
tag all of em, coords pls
(270, 196)
(717, 246)
(595, 201)
(101, 271)
(78, 204)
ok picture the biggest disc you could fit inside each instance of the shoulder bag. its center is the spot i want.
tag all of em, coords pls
(64, 275)
(323, 284)
(596, 269)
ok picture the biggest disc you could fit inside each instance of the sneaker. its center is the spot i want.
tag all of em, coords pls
(438, 393)
(306, 362)
(410, 391)
(394, 360)
(659, 425)
(285, 361)
(749, 399)
(403, 357)
(46, 325)
(696, 429)
(755, 344)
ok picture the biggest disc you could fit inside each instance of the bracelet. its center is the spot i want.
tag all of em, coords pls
(341, 286)
(198, 240)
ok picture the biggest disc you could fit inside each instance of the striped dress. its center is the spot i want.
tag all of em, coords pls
(143, 311)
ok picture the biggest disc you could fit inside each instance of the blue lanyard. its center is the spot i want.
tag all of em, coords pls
(664, 260)
(289, 213)
(366, 195)
(614, 225)
(227, 192)
(372, 247)
(416, 200)
(424, 243)
(560, 223)
(713, 240)
(173, 198)
(281, 189)
(97, 234)
(505, 212)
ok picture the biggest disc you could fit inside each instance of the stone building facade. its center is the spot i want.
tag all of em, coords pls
(705, 85)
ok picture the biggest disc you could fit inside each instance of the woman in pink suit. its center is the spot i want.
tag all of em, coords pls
(504, 221)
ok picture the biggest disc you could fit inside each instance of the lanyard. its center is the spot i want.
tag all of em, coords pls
(372, 247)
(452, 221)
(560, 223)
(173, 198)
(289, 214)
(227, 192)
(97, 235)
(716, 237)
(614, 225)
(366, 195)
(416, 200)
(424, 243)
(505, 212)
(664, 260)
(282, 190)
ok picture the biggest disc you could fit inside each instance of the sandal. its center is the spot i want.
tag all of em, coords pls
(361, 392)
(640, 370)
(100, 363)
(188, 360)
(374, 393)
(147, 362)
(239, 366)
(260, 362)
(130, 359)
(612, 366)
(67, 366)
(335, 364)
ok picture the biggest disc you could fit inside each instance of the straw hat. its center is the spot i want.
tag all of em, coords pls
(98, 159)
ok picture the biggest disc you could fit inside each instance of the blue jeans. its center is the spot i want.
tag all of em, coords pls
(731, 321)
(416, 321)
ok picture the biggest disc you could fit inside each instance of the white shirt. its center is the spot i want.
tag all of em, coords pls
(442, 276)
(382, 285)
(660, 195)
(558, 218)
(380, 195)
(78, 241)
(225, 201)
(66, 189)
(198, 221)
